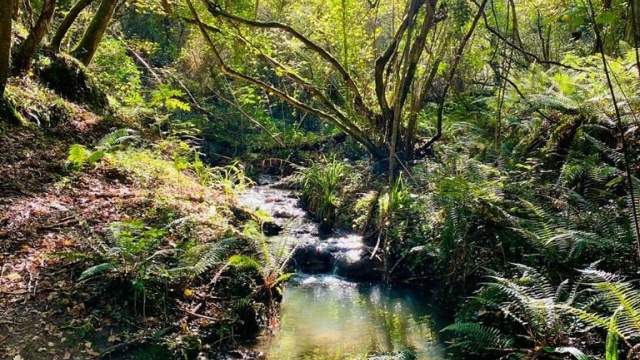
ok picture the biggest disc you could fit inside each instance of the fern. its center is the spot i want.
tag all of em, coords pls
(97, 270)
(533, 303)
(611, 349)
(116, 138)
(78, 155)
(478, 336)
(622, 301)
(200, 258)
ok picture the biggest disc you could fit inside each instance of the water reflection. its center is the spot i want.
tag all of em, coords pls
(325, 317)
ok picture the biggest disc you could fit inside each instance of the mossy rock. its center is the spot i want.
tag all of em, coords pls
(69, 78)
(9, 114)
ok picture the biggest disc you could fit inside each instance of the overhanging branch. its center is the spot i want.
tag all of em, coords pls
(357, 134)
(358, 101)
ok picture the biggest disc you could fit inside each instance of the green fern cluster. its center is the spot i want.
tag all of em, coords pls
(129, 253)
(201, 258)
(544, 318)
(80, 155)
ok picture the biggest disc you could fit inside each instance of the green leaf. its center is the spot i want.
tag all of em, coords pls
(606, 17)
(577, 353)
(97, 270)
(283, 277)
(612, 339)
(96, 156)
(78, 155)
(615, 181)
(243, 261)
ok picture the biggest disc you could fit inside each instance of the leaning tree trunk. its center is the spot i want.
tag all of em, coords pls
(91, 38)
(5, 40)
(26, 50)
(66, 23)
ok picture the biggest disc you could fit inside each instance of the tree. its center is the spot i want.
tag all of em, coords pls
(92, 36)
(375, 119)
(27, 49)
(5, 40)
(66, 23)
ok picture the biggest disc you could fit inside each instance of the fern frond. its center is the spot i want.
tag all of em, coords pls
(479, 335)
(78, 155)
(117, 137)
(245, 262)
(97, 270)
(201, 258)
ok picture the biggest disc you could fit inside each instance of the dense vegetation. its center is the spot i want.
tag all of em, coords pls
(486, 150)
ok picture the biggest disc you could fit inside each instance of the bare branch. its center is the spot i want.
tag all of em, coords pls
(358, 101)
(452, 72)
(357, 134)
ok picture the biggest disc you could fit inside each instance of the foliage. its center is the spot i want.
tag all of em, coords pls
(118, 72)
(320, 188)
(614, 306)
(80, 155)
(272, 258)
(534, 309)
(230, 179)
(130, 255)
(198, 259)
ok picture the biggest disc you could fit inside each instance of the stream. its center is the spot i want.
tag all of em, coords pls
(333, 308)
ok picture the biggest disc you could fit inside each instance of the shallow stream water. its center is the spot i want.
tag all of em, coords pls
(328, 316)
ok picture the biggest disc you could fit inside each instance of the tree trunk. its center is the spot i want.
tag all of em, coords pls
(5, 40)
(26, 50)
(15, 12)
(91, 38)
(66, 23)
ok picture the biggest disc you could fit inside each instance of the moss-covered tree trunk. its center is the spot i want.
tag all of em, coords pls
(5, 42)
(26, 50)
(66, 23)
(91, 38)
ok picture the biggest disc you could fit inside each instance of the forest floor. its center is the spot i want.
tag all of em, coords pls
(47, 215)
(41, 217)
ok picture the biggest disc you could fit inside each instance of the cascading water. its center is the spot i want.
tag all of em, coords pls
(329, 309)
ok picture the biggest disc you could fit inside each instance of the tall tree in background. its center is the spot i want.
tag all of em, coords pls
(92, 36)
(27, 49)
(5, 42)
(66, 23)
(376, 121)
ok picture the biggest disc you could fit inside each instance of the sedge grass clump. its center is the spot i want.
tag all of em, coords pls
(321, 189)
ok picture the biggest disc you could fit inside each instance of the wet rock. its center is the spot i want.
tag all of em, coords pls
(271, 229)
(282, 215)
(401, 355)
(355, 264)
(312, 259)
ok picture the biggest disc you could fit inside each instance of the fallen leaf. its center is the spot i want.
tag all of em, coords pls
(14, 277)
(92, 353)
(67, 356)
(113, 338)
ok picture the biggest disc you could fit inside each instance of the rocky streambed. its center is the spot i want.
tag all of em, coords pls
(335, 308)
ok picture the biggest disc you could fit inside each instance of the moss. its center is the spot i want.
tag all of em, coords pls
(68, 77)
(9, 113)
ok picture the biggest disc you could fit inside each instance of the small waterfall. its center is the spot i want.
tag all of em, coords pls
(335, 308)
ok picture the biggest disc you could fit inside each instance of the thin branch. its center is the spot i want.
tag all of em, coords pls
(623, 140)
(218, 12)
(516, 47)
(356, 134)
(452, 72)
